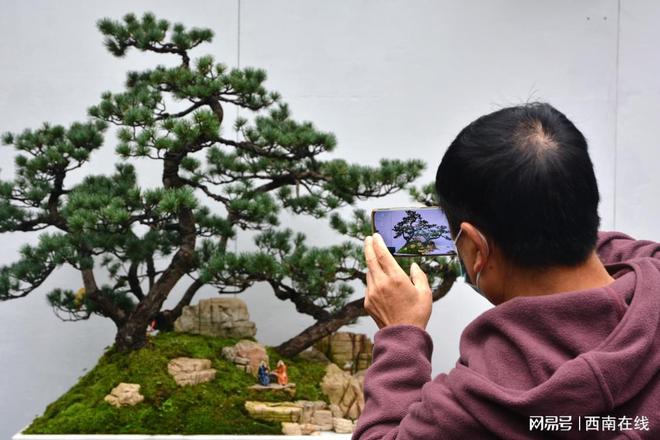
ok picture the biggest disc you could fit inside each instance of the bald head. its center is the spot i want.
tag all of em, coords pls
(531, 137)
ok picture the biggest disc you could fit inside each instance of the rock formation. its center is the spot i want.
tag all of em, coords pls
(274, 411)
(313, 354)
(289, 389)
(125, 394)
(222, 317)
(344, 390)
(350, 351)
(246, 355)
(299, 429)
(342, 426)
(302, 417)
(289, 428)
(323, 419)
(336, 410)
(191, 371)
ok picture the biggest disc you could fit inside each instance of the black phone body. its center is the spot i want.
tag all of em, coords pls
(414, 231)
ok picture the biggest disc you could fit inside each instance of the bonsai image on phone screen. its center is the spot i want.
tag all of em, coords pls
(423, 231)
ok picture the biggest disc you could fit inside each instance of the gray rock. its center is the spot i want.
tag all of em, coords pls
(289, 428)
(222, 317)
(350, 351)
(125, 394)
(342, 426)
(307, 412)
(288, 389)
(246, 355)
(312, 354)
(344, 390)
(323, 419)
(274, 411)
(309, 429)
(191, 371)
(336, 410)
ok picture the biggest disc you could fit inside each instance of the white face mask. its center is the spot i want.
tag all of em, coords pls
(464, 273)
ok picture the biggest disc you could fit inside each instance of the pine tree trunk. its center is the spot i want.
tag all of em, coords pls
(308, 337)
(131, 336)
(346, 315)
(319, 330)
(165, 321)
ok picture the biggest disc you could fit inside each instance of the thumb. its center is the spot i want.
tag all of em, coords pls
(418, 277)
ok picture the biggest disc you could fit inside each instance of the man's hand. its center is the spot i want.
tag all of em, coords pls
(392, 297)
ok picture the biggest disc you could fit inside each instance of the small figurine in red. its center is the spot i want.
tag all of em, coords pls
(151, 328)
(280, 372)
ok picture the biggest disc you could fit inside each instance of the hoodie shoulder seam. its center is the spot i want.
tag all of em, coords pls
(604, 389)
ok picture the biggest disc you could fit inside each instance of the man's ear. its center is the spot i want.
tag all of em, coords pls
(476, 245)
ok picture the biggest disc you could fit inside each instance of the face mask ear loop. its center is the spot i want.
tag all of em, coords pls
(487, 247)
(456, 258)
(460, 267)
(476, 280)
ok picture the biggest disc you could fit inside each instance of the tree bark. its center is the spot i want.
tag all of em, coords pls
(106, 307)
(131, 336)
(345, 315)
(132, 333)
(165, 319)
(320, 329)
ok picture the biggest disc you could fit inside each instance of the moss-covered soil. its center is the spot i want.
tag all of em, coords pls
(215, 407)
(414, 247)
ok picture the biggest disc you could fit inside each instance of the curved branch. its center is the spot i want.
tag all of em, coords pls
(107, 307)
(260, 151)
(182, 260)
(345, 315)
(182, 113)
(302, 302)
(167, 48)
(32, 285)
(53, 202)
(185, 300)
(134, 281)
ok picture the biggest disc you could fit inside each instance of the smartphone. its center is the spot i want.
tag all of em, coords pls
(414, 231)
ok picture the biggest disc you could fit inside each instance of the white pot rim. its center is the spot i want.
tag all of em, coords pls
(324, 434)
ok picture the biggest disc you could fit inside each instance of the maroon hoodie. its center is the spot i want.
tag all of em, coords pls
(581, 364)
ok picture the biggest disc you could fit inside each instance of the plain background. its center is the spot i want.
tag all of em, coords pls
(392, 79)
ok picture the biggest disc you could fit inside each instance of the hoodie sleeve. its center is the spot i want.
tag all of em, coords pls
(615, 247)
(401, 400)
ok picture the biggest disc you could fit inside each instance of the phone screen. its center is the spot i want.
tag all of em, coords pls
(414, 232)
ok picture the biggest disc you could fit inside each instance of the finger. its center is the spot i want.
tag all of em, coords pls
(368, 305)
(370, 283)
(371, 259)
(367, 293)
(419, 278)
(385, 258)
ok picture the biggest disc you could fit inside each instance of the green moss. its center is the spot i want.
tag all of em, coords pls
(415, 247)
(215, 407)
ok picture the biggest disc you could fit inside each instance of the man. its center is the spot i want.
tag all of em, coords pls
(572, 347)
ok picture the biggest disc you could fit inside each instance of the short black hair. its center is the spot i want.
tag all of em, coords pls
(523, 176)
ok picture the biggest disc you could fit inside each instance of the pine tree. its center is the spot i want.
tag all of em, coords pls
(407, 227)
(148, 239)
(413, 225)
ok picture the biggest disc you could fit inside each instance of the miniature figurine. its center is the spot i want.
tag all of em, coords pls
(151, 328)
(263, 374)
(280, 371)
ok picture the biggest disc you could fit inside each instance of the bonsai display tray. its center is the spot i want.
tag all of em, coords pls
(323, 434)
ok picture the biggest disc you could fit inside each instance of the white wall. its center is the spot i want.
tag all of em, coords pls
(395, 79)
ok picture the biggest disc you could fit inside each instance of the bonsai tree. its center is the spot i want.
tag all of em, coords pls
(418, 233)
(146, 241)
